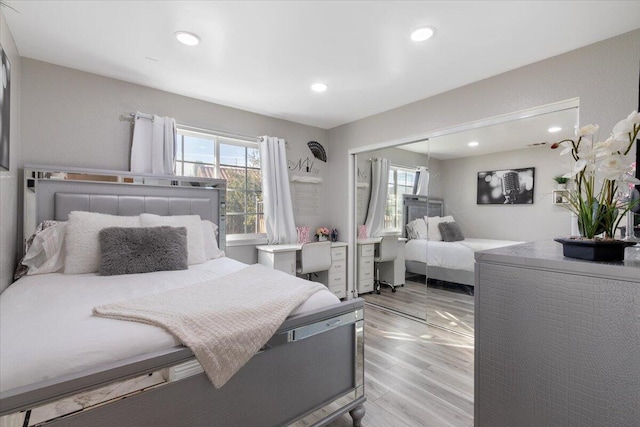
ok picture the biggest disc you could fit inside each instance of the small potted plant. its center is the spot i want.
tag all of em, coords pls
(561, 182)
(323, 234)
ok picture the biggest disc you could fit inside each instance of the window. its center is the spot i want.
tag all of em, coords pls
(238, 162)
(400, 182)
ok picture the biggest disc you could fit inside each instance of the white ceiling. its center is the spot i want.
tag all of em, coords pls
(262, 56)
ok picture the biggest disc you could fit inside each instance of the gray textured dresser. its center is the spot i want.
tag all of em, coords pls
(557, 340)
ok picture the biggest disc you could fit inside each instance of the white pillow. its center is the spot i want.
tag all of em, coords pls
(82, 245)
(432, 225)
(419, 228)
(195, 237)
(45, 255)
(211, 249)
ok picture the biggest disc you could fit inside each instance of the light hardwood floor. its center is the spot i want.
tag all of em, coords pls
(445, 304)
(415, 374)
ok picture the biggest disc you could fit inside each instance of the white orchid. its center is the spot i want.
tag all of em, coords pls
(631, 180)
(568, 147)
(634, 117)
(578, 167)
(603, 163)
(587, 130)
(613, 167)
(610, 145)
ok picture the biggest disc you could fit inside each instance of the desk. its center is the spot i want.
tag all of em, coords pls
(283, 258)
(392, 272)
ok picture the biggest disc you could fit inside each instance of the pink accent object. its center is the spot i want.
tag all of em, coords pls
(362, 232)
(303, 234)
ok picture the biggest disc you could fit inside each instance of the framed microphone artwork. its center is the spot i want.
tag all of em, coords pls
(506, 187)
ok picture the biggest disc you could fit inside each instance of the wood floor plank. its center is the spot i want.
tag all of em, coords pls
(439, 303)
(416, 375)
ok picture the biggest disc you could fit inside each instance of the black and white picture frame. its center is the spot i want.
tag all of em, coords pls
(5, 108)
(506, 187)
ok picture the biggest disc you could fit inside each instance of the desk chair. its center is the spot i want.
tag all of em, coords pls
(314, 257)
(387, 251)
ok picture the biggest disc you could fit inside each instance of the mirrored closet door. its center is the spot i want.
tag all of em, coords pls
(386, 179)
(490, 184)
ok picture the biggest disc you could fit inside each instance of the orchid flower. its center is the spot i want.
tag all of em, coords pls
(606, 162)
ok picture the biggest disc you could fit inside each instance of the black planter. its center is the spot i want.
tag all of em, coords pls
(594, 250)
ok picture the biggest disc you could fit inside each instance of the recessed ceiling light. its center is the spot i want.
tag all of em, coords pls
(473, 144)
(422, 34)
(319, 87)
(555, 129)
(189, 39)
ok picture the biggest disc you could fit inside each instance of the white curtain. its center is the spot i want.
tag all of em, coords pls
(153, 149)
(378, 200)
(278, 207)
(421, 186)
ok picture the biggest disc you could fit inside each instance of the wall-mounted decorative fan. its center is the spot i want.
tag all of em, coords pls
(318, 150)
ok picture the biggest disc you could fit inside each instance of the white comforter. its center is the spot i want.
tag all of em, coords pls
(47, 328)
(452, 255)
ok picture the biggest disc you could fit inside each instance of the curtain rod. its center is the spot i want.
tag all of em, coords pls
(197, 129)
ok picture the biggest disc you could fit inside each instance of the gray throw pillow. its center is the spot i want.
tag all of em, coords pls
(142, 249)
(450, 231)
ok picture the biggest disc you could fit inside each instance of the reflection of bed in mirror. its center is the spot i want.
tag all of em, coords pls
(436, 259)
(114, 372)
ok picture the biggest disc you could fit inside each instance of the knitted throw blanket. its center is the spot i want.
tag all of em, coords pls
(223, 321)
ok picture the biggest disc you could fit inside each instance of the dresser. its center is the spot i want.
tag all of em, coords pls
(557, 340)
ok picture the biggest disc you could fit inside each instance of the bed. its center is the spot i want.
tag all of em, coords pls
(61, 366)
(439, 260)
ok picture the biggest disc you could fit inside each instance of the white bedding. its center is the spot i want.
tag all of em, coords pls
(452, 255)
(47, 329)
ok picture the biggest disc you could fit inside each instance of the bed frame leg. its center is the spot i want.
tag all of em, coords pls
(357, 414)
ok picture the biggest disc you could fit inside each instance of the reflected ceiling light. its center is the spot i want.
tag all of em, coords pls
(188, 39)
(319, 87)
(473, 144)
(422, 34)
(555, 129)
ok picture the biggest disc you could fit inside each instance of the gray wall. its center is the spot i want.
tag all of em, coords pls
(74, 118)
(603, 75)
(540, 220)
(9, 208)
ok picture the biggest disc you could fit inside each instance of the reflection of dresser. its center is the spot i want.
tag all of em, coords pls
(391, 271)
(366, 251)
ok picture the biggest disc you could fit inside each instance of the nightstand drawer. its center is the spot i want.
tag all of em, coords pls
(366, 250)
(338, 253)
(365, 264)
(339, 292)
(365, 285)
(339, 265)
(336, 280)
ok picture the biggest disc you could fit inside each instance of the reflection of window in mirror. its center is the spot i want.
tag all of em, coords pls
(401, 181)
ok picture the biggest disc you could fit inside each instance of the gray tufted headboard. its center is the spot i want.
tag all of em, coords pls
(419, 206)
(53, 192)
